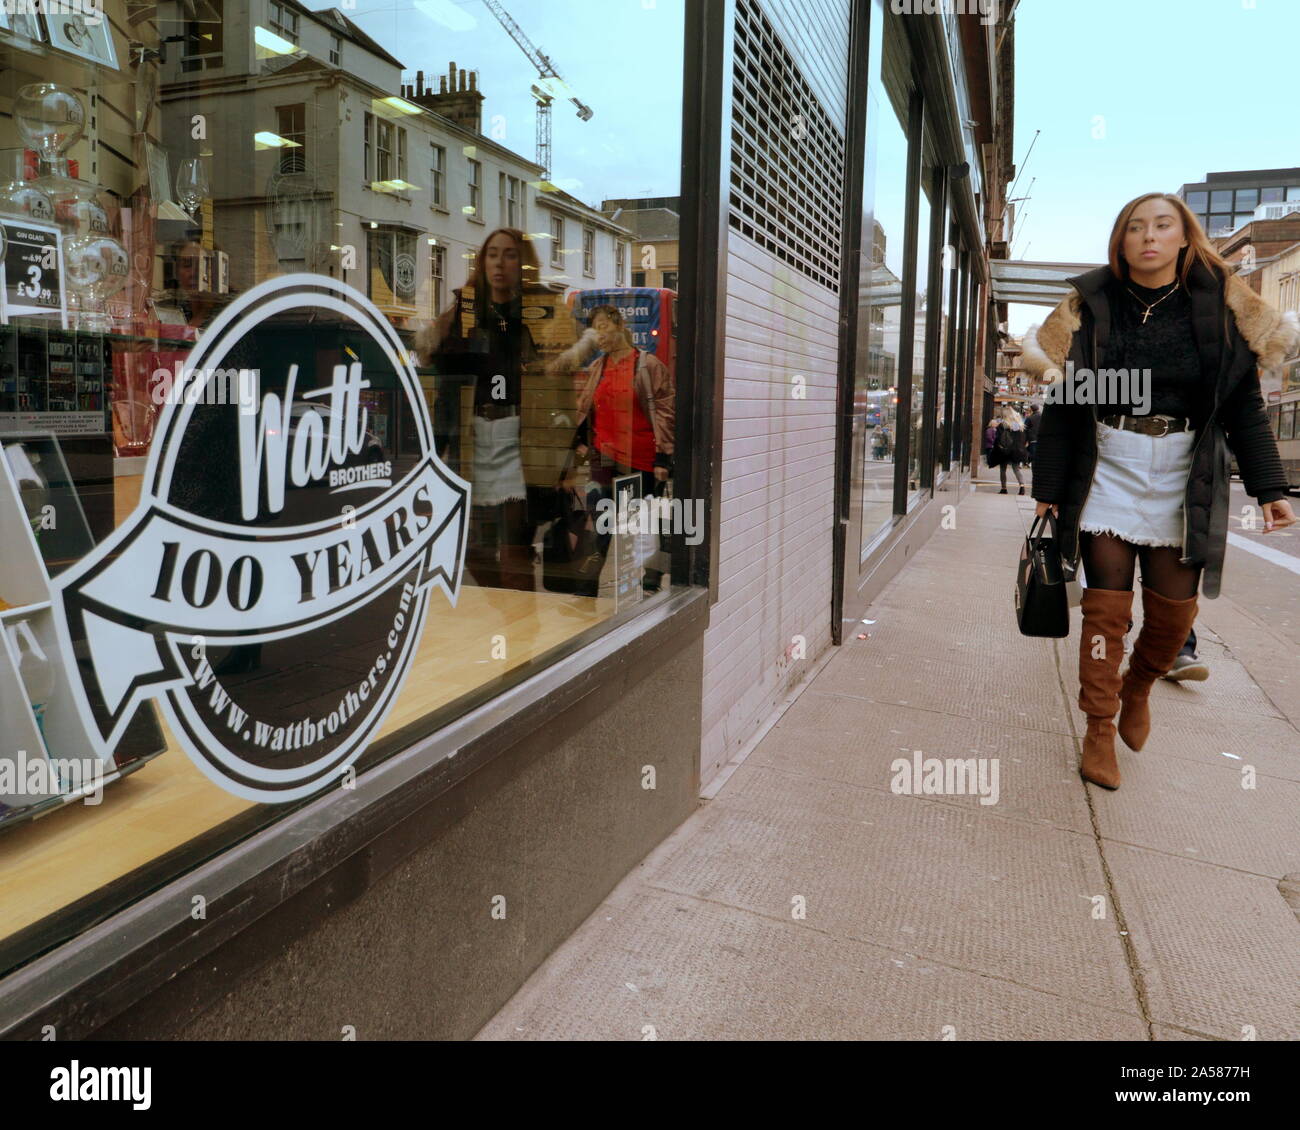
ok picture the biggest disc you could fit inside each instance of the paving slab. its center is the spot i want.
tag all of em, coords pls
(809, 899)
(1219, 949)
(823, 736)
(670, 967)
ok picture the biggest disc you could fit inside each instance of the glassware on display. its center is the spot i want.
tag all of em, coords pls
(50, 120)
(191, 185)
(96, 267)
(21, 198)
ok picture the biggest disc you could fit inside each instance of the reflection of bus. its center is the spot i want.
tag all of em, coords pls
(1284, 418)
(650, 313)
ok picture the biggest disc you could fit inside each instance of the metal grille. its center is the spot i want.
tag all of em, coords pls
(787, 157)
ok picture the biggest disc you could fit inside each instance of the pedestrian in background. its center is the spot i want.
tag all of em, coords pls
(1147, 479)
(1032, 419)
(1010, 446)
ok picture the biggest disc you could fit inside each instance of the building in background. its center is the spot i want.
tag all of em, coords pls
(1223, 202)
(390, 185)
(655, 222)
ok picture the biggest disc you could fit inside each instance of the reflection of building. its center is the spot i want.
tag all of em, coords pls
(656, 224)
(1223, 202)
(1250, 245)
(392, 192)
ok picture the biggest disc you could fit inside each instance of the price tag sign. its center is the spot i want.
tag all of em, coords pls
(32, 274)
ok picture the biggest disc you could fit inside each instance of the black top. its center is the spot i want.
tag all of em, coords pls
(1162, 344)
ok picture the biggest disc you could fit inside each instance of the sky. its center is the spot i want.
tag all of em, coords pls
(1130, 96)
(623, 58)
(1175, 89)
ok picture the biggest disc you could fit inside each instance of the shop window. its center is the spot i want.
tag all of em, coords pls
(879, 413)
(410, 545)
(638, 278)
(670, 280)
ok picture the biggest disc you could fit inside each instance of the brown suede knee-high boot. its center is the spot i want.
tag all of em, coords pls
(1165, 625)
(1101, 650)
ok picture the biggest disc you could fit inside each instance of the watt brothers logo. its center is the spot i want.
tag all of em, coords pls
(243, 556)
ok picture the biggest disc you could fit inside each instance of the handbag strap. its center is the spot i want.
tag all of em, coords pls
(1045, 519)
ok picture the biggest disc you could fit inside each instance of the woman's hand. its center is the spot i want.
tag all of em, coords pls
(1278, 514)
(1043, 507)
(661, 473)
(581, 451)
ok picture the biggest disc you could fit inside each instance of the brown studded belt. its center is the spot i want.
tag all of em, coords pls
(1149, 425)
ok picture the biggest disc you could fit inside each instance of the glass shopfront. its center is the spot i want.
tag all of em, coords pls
(914, 320)
(326, 414)
(880, 291)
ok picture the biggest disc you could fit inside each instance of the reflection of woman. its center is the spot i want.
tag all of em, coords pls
(1145, 475)
(493, 354)
(183, 277)
(626, 417)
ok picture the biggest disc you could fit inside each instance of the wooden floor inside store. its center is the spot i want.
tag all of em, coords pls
(74, 851)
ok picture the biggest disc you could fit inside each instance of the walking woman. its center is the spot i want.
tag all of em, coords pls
(1144, 475)
(1011, 446)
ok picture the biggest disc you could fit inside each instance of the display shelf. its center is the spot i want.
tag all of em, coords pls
(26, 563)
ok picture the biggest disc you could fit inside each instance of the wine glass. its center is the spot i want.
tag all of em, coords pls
(191, 185)
(97, 269)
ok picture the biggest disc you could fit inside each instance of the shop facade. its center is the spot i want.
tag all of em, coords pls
(383, 572)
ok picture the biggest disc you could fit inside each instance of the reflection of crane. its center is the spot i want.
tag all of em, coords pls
(551, 85)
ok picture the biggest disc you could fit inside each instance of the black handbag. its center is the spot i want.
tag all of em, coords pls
(571, 556)
(1042, 603)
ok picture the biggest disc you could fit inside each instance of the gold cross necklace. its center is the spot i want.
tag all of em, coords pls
(1151, 306)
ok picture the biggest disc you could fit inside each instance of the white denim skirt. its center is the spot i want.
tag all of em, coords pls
(1137, 489)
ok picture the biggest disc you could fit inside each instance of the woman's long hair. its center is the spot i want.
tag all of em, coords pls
(1012, 419)
(530, 271)
(1198, 249)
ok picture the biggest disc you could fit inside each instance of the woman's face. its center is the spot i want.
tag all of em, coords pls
(501, 265)
(1153, 237)
(609, 335)
(187, 267)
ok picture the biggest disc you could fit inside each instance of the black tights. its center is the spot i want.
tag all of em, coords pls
(1108, 564)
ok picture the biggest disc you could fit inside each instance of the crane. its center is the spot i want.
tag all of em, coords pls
(551, 83)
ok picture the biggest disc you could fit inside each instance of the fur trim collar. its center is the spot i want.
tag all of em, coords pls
(1271, 335)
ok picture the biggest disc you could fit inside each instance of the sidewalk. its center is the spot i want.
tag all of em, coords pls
(924, 912)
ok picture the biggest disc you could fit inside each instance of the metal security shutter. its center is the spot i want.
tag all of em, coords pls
(787, 157)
